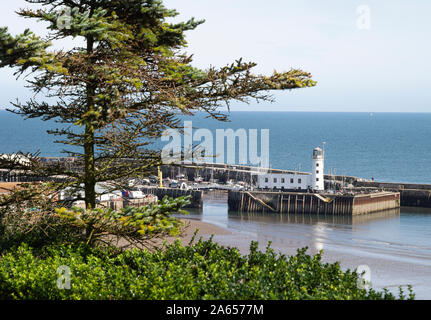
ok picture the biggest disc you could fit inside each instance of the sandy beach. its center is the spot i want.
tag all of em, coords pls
(205, 231)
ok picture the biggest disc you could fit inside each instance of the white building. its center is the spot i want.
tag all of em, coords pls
(297, 180)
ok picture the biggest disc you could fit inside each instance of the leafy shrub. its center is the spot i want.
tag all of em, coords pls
(31, 215)
(135, 226)
(204, 270)
(28, 215)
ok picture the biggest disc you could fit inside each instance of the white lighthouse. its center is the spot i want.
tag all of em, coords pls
(317, 177)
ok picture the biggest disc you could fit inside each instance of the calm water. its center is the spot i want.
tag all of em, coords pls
(386, 146)
(396, 245)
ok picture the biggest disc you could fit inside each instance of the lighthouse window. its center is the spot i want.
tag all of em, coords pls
(317, 171)
(317, 179)
(317, 164)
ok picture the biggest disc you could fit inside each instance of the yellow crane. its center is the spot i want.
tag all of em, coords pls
(160, 175)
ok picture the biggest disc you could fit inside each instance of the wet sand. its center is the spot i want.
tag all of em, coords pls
(383, 268)
(388, 269)
(205, 231)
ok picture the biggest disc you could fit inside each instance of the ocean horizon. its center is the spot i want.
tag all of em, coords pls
(390, 147)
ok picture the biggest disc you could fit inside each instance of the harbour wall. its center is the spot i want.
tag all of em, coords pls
(300, 203)
(392, 185)
(220, 172)
(225, 172)
(411, 195)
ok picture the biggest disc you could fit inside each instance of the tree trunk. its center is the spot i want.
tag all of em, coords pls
(90, 169)
(89, 156)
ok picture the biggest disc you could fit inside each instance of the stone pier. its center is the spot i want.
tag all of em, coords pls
(296, 202)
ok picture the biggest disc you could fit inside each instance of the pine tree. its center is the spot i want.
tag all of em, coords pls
(119, 91)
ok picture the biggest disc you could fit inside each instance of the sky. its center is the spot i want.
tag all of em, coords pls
(367, 56)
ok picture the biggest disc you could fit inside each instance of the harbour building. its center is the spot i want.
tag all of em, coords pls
(297, 180)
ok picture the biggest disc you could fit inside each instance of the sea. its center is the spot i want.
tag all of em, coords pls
(392, 147)
(396, 147)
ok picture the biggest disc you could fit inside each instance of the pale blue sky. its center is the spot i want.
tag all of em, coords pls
(383, 69)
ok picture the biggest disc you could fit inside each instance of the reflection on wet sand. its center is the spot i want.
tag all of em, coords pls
(315, 219)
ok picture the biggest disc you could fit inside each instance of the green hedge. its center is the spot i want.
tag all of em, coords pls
(205, 270)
